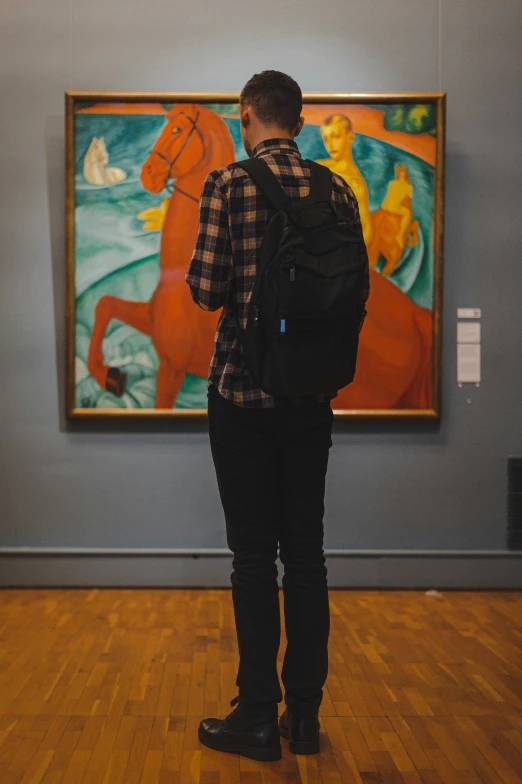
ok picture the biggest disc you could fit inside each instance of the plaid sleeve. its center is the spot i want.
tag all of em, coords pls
(346, 201)
(210, 268)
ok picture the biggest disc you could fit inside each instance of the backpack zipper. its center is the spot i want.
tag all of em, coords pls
(292, 274)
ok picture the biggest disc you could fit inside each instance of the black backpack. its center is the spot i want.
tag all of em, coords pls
(303, 322)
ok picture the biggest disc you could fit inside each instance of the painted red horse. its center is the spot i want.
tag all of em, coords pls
(194, 141)
(394, 364)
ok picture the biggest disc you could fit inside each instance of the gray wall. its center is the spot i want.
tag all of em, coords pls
(391, 486)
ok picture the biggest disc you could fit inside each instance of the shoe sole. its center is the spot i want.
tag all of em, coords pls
(300, 747)
(260, 755)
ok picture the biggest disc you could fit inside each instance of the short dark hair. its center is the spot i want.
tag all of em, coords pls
(275, 98)
(342, 118)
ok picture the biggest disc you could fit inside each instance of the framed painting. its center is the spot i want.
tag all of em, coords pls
(136, 343)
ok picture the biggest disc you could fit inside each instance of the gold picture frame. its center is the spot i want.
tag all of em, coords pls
(412, 115)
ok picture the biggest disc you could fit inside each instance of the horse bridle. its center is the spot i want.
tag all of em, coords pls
(170, 184)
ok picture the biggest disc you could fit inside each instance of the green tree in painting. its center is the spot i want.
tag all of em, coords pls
(410, 118)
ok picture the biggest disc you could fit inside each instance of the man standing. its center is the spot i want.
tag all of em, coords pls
(270, 454)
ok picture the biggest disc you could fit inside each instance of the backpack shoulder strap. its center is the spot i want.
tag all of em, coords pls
(321, 184)
(266, 180)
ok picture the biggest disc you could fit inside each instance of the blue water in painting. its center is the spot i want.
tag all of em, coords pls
(114, 255)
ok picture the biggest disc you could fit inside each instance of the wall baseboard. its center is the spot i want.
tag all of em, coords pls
(70, 567)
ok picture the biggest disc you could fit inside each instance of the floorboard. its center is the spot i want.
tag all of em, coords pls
(108, 687)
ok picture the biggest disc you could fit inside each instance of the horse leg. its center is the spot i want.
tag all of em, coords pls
(373, 252)
(373, 247)
(135, 314)
(403, 232)
(168, 384)
(392, 255)
(413, 236)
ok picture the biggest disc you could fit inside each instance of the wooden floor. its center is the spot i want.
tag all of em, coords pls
(108, 687)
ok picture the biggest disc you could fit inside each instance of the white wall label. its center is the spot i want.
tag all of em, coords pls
(468, 347)
(468, 332)
(468, 363)
(469, 313)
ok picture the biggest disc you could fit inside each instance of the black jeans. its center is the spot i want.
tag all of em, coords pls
(271, 467)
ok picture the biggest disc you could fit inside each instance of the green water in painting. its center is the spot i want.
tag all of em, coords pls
(114, 255)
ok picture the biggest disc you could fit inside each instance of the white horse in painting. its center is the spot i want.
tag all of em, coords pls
(95, 165)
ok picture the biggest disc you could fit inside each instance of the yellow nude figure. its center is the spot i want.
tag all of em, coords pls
(338, 138)
(398, 201)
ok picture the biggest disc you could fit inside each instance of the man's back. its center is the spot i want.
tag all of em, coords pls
(234, 216)
(270, 454)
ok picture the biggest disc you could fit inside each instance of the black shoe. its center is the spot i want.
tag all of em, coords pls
(247, 731)
(302, 732)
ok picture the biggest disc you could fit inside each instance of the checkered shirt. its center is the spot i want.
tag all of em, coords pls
(233, 217)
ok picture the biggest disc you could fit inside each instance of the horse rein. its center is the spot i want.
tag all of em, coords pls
(170, 185)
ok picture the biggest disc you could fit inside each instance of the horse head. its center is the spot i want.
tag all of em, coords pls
(97, 152)
(194, 139)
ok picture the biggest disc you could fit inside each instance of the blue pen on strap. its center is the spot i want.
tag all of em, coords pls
(283, 325)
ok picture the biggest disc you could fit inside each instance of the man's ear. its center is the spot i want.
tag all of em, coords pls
(244, 115)
(299, 127)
